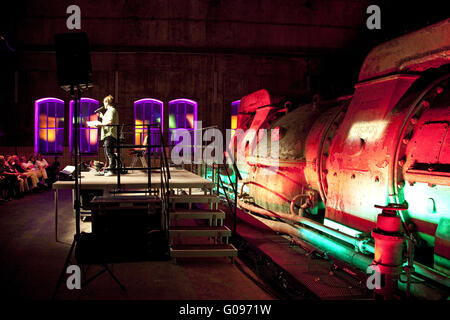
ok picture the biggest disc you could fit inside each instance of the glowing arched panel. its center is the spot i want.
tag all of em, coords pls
(234, 115)
(147, 111)
(182, 115)
(88, 136)
(49, 126)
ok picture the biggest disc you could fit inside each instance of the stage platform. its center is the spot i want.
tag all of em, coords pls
(179, 179)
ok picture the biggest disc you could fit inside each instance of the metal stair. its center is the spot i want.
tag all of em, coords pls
(190, 199)
(215, 217)
(203, 250)
(200, 231)
(195, 238)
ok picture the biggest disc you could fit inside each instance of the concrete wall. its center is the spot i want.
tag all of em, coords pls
(263, 24)
(213, 52)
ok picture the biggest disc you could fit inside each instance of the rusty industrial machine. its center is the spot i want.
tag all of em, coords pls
(366, 177)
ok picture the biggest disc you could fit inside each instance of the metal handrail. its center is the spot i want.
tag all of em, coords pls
(148, 146)
(220, 184)
(165, 187)
(164, 152)
(164, 168)
(230, 205)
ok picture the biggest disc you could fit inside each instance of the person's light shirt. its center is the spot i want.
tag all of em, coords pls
(111, 115)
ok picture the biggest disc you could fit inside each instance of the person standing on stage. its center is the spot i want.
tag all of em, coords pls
(108, 128)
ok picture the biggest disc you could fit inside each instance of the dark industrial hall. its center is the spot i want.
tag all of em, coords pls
(225, 156)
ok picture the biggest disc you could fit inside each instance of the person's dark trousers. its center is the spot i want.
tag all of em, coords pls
(109, 144)
(13, 186)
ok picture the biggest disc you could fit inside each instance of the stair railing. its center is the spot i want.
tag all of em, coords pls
(165, 185)
(220, 184)
(163, 167)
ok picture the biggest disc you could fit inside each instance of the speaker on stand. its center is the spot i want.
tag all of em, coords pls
(73, 61)
(74, 71)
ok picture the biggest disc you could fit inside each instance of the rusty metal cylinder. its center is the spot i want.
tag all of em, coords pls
(388, 258)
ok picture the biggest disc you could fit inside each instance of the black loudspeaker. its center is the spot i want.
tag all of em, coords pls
(73, 60)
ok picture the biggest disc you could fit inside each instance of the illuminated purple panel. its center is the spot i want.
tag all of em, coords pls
(147, 112)
(88, 137)
(234, 115)
(235, 107)
(49, 126)
(182, 115)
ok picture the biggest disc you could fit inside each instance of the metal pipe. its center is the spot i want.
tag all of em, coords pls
(431, 274)
(235, 205)
(118, 164)
(319, 241)
(362, 245)
(345, 254)
(300, 195)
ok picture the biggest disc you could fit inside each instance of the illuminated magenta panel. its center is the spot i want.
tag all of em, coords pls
(234, 113)
(183, 115)
(88, 136)
(147, 111)
(49, 126)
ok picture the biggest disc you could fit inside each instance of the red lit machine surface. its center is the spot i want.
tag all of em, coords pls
(388, 143)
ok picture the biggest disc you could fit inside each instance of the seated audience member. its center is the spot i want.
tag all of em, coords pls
(28, 167)
(16, 184)
(53, 170)
(41, 161)
(23, 162)
(3, 188)
(24, 174)
(23, 181)
(40, 172)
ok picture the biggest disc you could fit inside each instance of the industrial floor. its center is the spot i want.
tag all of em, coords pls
(296, 272)
(269, 267)
(31, 261)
